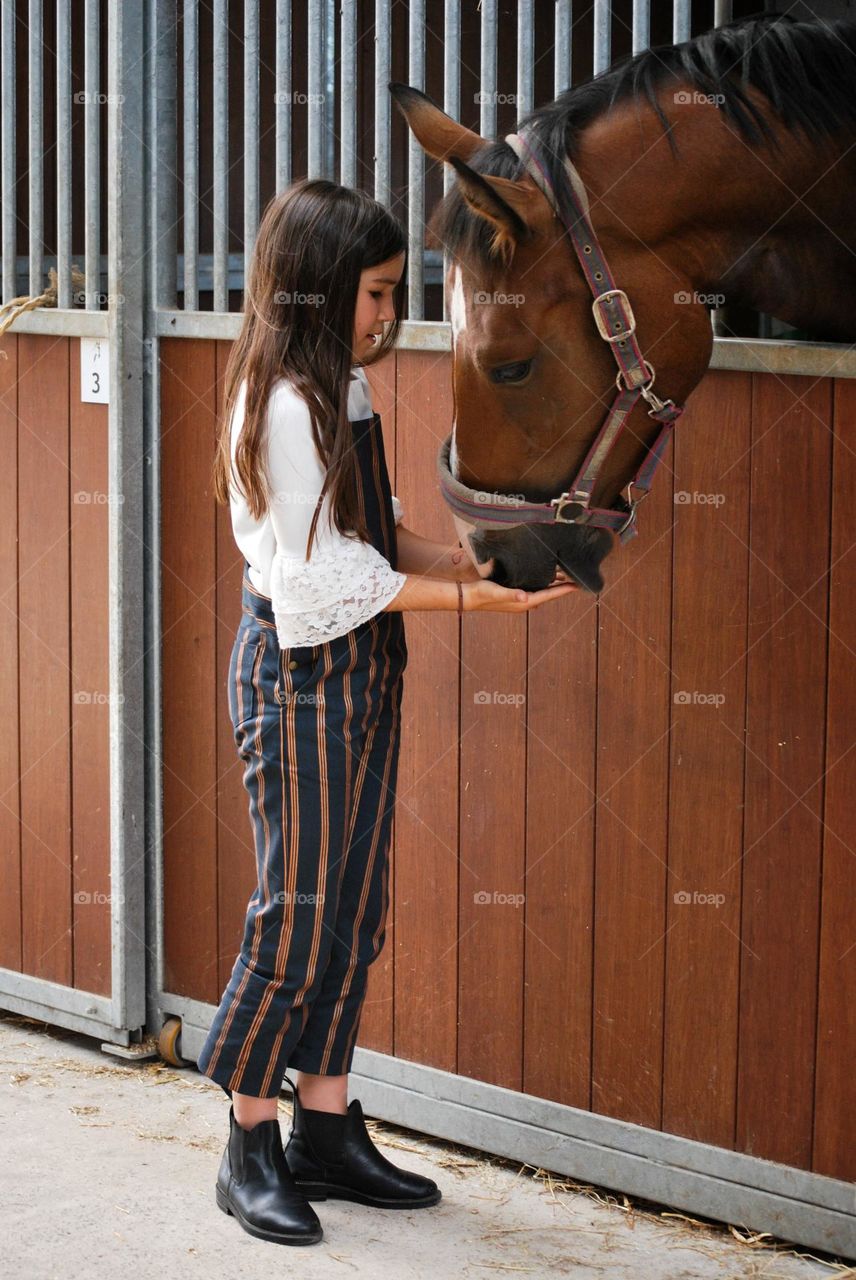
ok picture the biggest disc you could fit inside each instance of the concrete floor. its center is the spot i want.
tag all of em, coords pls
(109, 1169)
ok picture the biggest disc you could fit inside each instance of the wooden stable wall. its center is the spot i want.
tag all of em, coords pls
(623, 856)
(54, 672)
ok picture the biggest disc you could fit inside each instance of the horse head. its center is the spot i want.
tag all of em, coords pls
(533, 378)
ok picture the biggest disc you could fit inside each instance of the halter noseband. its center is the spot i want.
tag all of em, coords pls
(616, 324)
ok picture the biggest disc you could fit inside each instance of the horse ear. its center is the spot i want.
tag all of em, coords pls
(511, 207)
(438, 134)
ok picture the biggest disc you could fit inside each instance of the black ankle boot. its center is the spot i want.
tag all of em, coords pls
(333, 1156)
(254, 1183)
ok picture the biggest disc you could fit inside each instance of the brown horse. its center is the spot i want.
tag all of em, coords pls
(716, 171)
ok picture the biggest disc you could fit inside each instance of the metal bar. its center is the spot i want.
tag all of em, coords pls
(190, 137)
(602, 35)
(7, 130)
(92, 154)
(722, 12)
(126, 469)
(328, 102)
(681, 20)
(63, 154)
(315, 84)
(451, 102)
(282, 104)
(35, 159)
(60, 1006)
(162, 126)
(251, 129)
(382, 104)
(487, 94)
(348, 104)
(416, 170)
(220, 153)
(774, 356)
(562, 65)
(641, 25)
(525, 58)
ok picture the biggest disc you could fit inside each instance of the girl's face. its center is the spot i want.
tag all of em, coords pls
(374, 304)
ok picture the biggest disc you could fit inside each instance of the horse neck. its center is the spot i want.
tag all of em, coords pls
(767, 228)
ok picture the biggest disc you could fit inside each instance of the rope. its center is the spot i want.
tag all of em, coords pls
(17, 306)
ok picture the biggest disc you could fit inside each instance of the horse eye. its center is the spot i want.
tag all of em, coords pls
(511, 373)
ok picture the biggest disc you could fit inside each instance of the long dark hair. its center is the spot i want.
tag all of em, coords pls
(314, 240)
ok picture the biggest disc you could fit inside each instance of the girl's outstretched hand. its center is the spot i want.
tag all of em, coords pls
(490, 597)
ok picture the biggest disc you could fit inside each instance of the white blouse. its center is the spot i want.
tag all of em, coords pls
(345, 581)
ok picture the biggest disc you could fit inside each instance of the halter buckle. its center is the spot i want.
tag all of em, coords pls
(570, 502)
(600, 320)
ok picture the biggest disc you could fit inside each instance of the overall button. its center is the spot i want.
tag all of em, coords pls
(293, 664)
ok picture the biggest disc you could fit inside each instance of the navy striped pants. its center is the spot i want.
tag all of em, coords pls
(318, 730)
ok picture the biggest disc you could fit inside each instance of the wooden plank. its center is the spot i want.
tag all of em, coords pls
(560, 808)
(235, 856)
(90, 702)
(188, 534)
(711, 553)
(45, 689)
(786, 693)
(10, 761)
(631, 835)
(835, 1080)
(426, 816)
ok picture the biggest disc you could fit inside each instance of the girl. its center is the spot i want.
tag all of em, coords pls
(315, 686)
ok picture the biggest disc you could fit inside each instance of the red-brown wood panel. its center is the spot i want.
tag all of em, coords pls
(10, 765)
(426, 822)
(786, 696)
(835, 1081)
(632, 780)
(188, 575)
(560, 808)
(236, 859)
(90, 706)
(45, 672)
(711, 554)
(492, 872)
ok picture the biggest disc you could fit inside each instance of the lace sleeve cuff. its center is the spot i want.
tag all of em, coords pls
(397, 510)
(332, 593)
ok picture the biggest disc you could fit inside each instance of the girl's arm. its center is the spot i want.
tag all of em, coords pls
(420, 592)
(418, 555)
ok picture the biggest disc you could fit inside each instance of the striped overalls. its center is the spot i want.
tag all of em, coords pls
(318, 730)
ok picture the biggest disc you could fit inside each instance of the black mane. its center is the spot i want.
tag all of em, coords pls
(806, 70)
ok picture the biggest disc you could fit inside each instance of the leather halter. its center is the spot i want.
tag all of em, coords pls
(616, 324)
